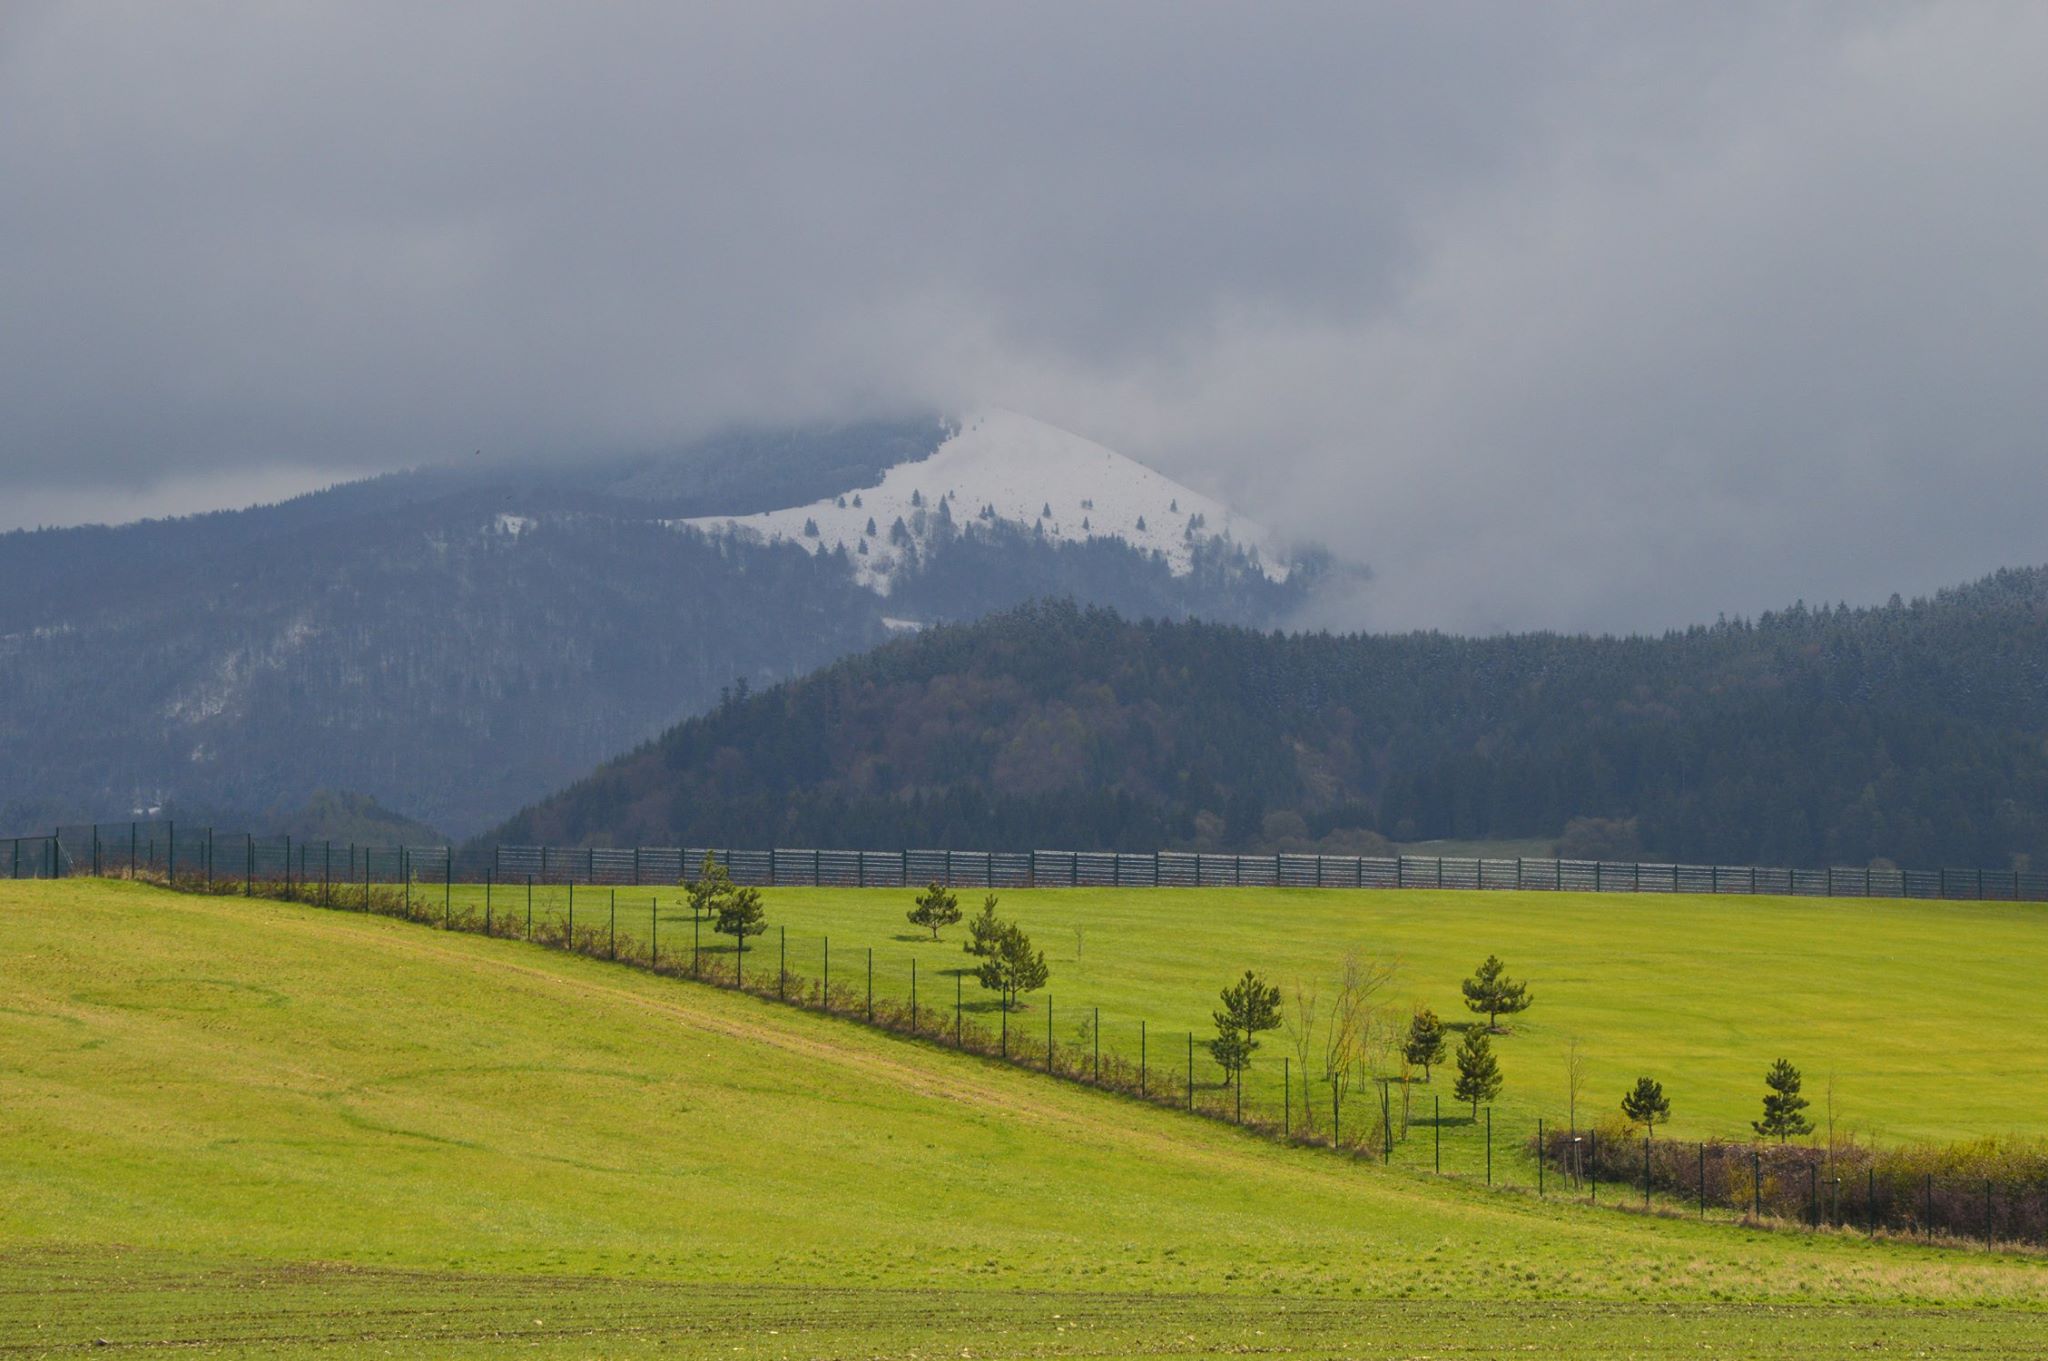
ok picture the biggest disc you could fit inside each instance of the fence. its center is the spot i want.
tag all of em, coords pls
(163, 848)
(1913, 1191)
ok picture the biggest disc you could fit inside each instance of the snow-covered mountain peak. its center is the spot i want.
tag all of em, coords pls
(999, 466)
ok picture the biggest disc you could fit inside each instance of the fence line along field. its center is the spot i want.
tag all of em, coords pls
(235, 1126)
(1913, 1010)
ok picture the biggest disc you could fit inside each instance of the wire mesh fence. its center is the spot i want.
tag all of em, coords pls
(181, 851)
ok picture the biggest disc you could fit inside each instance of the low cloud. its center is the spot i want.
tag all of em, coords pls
(1591, 317)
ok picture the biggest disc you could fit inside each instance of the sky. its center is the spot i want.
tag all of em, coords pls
(1605, 317)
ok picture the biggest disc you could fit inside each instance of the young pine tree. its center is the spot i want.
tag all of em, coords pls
(1782, 1105)
(1012, 968)
(1645, 1105)
(936, 907)
(985, 932)
(1479, 1077)
(1425, 1043)
(712, 887)
(1250, 1005)
(740, 914)
(1492, 994)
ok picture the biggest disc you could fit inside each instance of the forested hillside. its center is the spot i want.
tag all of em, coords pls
(457, 642)
(1913, 732)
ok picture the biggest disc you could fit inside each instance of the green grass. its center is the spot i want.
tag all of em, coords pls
(232, 1127)
(1911, 1008)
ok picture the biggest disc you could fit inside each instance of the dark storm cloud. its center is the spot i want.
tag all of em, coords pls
(1588, 316)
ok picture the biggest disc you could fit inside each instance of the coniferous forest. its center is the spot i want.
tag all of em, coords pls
(1912, 732)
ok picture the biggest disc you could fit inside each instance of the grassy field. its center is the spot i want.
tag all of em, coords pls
(1910, 1008)
(233, 1127)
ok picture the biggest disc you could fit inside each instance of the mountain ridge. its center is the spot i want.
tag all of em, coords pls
(1912, 732)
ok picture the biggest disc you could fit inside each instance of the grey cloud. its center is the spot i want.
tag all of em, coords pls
(1607, 316)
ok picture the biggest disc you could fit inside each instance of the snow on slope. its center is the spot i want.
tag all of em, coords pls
(1032, 475)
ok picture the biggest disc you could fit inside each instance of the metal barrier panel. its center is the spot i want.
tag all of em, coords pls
(1095, 869)
(661, 864)
(1579, 876)
(613, 865)
(1500, 873)
(2033, 886)
(1378, 871)
(1053, 869)
(840, 869)
(1138, 870)
(1694, 878)
(883, 869)
(1296, 871)
(1010, 869)
(795, 866)
(750, 867)
(1810, 883)
(1180, 869)
(1655, 879)
(924, 867)
(1457, 873)
(1261, 870)
(970, 868)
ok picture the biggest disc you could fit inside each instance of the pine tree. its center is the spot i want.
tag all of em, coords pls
(1250, 1005)
(1782, 1105)
(984, 931)
(810, 528)
(1012, 968)
(1425, 1043)
(936, 907)
(1492, 994)
(740, 915)
(712, 887)
(1479, 1077)
(1644, 1104)
(870, 531)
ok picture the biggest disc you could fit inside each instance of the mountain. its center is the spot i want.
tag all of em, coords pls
(1916, 732)
(457, 641)
(1006, 474)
